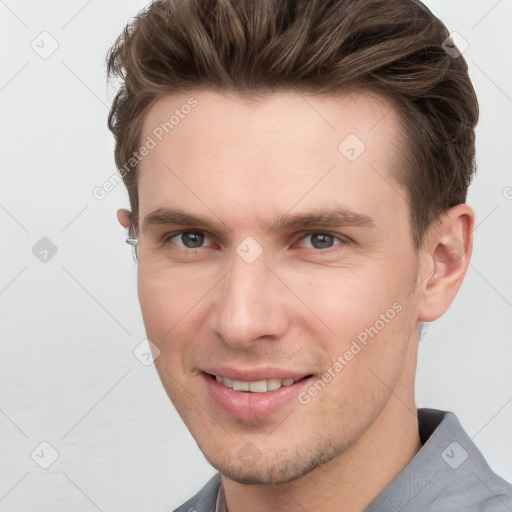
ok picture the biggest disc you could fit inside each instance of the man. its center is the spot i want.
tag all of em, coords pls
(297, 173)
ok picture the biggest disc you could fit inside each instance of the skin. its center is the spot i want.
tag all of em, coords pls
(241, 163)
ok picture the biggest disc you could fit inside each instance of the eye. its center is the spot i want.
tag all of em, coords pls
(187, 239)
(321, 240)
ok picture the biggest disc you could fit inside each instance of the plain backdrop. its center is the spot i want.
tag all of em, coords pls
(70, 316)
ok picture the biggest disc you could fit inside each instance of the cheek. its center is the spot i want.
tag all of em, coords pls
(364, 368)
(165, 303)
(365, 325)
(348, 300)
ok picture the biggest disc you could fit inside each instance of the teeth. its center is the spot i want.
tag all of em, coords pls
(239, 385)
(273, 384)
(260, 386)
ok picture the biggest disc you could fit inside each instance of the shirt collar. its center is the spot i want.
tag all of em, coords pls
(440, 433)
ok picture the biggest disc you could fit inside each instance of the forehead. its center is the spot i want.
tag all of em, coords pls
(221, 155)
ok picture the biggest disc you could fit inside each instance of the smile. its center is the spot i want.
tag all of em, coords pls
(254, 399)
(259, 386)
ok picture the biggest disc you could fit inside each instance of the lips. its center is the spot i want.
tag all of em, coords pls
(254, 394)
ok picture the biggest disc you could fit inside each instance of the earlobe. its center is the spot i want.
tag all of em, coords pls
(450, 246)
(124, 217)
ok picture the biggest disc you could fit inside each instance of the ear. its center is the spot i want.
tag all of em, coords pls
(124, 217)
(446, 255)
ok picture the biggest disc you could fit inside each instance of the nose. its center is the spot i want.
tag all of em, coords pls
(249, 305)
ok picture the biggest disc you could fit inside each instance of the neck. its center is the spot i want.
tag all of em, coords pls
(350, 481)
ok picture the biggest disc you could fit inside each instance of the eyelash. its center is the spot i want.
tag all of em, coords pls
(341, 238)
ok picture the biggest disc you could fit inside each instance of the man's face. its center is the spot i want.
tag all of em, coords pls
(271, 287)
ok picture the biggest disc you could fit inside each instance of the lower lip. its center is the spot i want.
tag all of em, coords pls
(251, 406)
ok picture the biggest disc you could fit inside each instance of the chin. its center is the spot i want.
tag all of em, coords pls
(272, 469)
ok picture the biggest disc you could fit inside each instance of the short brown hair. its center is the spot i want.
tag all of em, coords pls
(392, 47)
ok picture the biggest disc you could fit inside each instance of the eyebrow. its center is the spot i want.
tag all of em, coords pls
(325, 218)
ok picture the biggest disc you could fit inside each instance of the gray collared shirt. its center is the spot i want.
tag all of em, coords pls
(448, 474)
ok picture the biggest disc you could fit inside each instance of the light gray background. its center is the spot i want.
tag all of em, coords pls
(70, 325)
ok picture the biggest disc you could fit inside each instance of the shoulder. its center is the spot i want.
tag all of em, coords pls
(448, 473)
(464, 479)
(205, 500)
(471, 491)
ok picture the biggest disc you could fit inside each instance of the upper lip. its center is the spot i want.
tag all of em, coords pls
(254, 374)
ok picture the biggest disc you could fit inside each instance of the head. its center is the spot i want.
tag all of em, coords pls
(297, 173)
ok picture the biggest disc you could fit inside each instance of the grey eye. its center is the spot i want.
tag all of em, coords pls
(321, 240)
(192, 240)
